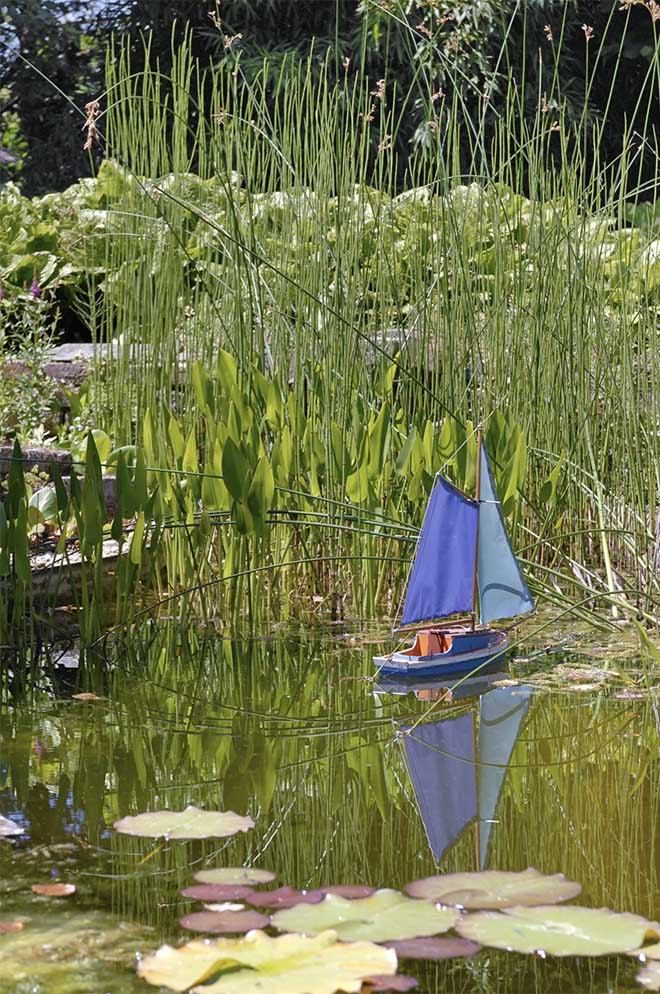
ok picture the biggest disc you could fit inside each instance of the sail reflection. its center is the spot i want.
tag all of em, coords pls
(458, 764)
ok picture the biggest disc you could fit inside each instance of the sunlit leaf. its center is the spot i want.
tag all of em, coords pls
(567, 931)
(192, 823)
(495, 889)
(222, 922)
(290, 964)
(387, 914)
(235, 875)
(351, 891)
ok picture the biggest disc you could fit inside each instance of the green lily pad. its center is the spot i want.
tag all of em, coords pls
(239, 875)
(192, 823)
(9, 827)
(387, 914)
(289, 964)
(567, 931)
(648, 952)
(217, 892)
(495, 889)
(649, 976)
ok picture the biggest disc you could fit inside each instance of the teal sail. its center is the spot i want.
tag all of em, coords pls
(442, 577)
(503, 592)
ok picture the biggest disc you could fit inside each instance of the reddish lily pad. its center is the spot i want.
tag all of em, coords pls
(217, 892)
(381, 982)
(224, 922)
(192, 823)
(432, 948)
(235, 875)
(15, 926)
(285, 897)
(493, 889)
(54, 890)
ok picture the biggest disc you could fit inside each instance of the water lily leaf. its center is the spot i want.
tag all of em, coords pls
(9, 827)
(235, 875)
(556, 931)
(16, 926)
(285, 897)
(54, 890)
(348, 890)
(432, 948)
(192, 823)
(399, 982)
(217, 892)
(222, 922)
(495, 889)
(649, 976)
(387, 914)
(289, 964)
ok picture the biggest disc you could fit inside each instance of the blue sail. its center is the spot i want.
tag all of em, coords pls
(440, 758)
(502, 713)
(503, 592)
(442, 578)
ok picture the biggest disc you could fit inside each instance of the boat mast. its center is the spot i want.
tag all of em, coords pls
(476, 548)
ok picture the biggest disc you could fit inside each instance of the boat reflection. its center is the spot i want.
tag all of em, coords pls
(458, 764)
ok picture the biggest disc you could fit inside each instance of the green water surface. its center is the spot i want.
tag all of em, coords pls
(294, 731)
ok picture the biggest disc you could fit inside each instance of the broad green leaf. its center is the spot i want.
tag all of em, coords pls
(387, 914)
(176, 438)
(235, 875)
(235, 470)
(103, 444)
(45, 502)
(404, 453)
(202, 386)
(191, 823)
(259, 964)
(227, 370)
(495, 888)
(378, 443)
(567, 931)
(549, 488)
(137, 540)
(262, 488)
(190, 463)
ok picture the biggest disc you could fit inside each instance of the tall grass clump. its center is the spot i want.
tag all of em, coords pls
(512, 278)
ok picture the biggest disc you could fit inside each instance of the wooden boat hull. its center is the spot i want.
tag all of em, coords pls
(466, 651)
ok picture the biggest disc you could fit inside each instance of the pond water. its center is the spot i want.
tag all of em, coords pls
(552, 764)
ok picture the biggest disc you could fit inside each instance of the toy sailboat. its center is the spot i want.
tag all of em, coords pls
(464, 559)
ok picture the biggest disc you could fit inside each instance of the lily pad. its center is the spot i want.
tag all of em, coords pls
(649, 976)
(432, 948)
(250, 875)
(399, 982)
(495, 889)
(9, 827)
(15, 926)
(350, 891)
(289, 964)
(54, 889)
(217, 892)
(192, 823)
(648, 952)
(224, 922)
(285, 897)
(387, 914)
(567, 931)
